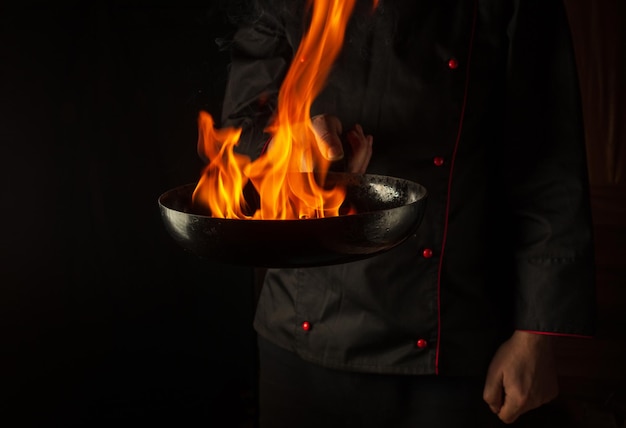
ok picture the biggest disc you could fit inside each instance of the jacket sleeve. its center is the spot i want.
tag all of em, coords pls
(546, 172)
(260, 57)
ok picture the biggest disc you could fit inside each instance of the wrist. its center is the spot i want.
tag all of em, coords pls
(532, 338)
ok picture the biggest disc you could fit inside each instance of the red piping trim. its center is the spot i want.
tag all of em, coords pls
(548, 333)
(447, 214)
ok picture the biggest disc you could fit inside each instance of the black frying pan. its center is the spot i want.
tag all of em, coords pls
(388, 210)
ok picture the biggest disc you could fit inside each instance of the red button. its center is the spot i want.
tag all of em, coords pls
(438, 161)
(422, 344)
(453, 64)
(306, 326)
(427, 253)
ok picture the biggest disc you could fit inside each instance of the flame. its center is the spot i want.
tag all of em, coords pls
(284, 192)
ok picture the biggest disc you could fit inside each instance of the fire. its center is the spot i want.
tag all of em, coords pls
(284, 175)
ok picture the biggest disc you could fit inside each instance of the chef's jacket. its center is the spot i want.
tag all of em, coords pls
(478, 101)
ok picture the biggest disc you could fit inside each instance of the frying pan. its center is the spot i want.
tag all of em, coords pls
(387, 211)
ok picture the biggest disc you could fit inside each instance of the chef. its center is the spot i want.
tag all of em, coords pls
(478, 101)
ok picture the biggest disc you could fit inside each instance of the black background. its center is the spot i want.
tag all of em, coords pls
(104, 319)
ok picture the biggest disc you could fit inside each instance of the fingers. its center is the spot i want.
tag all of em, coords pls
(361, 145)
(519, 399)
(504, 402)
(493, 394)
(328, 130)
(512, 407)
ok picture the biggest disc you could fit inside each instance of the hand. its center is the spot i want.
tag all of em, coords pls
(328, 131)
(521, 376)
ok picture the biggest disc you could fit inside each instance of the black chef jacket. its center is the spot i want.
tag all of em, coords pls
(479, 102)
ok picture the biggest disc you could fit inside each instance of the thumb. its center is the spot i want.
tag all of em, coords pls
(493, 393)
(327, 130)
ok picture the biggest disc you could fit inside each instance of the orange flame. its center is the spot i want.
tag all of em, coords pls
(284, 192)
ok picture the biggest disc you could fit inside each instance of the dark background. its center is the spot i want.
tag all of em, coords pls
(104, 319)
